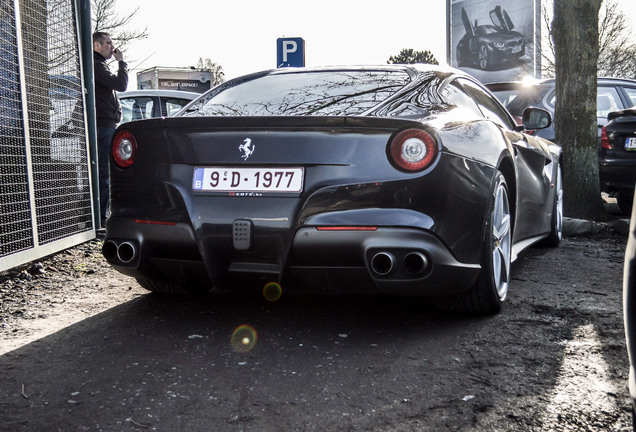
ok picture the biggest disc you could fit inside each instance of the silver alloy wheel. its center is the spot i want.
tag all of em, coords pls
(501, 242)
(559, 205)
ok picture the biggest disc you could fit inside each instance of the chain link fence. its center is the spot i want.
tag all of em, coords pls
(45, 181)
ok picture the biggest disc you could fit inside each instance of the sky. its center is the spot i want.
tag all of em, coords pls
(241, 35)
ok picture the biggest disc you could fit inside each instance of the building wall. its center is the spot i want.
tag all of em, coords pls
(174, 79)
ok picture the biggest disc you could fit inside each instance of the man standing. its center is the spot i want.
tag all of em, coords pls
(107, 107)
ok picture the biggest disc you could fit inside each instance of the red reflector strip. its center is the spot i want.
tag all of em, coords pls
(346, 228)
(142, 221)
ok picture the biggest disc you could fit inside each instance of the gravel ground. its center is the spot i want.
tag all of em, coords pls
(553, 360)
(42, 297)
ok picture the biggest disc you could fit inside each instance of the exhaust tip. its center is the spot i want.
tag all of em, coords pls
(109, 250)
(415, 263)
(126, 252)
(382, 263)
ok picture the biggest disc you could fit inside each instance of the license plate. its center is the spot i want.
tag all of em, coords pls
(630, 144)
(262, 180)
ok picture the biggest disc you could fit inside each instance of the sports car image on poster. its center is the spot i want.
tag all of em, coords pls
(489, 46)
(399, 179)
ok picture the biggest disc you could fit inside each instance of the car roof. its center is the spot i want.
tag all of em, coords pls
(396, 66)
(551, 81)
(616, 80)
(157, 92)
(515, 84)
(412, 69)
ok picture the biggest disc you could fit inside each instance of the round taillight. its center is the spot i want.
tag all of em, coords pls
(124, 149)
(413, 150)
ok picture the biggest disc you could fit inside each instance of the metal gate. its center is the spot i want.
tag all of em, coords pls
(46, 202)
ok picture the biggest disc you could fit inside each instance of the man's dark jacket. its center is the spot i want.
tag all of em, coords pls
(107, 107)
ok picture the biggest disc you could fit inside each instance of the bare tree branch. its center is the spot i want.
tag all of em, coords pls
(218, 76)
(105, 18)
(617, 49)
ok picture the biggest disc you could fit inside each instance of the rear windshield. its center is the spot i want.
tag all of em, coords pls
(321, 93)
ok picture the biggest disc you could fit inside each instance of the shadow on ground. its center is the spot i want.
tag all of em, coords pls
(333, 363)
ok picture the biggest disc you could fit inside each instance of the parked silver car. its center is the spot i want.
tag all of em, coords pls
(612, 94)
(145, 104)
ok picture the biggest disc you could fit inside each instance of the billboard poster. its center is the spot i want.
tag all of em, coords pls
(495, 40)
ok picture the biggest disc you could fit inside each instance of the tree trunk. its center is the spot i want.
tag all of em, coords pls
(575, 33)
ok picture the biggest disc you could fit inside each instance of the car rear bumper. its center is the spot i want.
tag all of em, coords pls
(617, 176)
(402, 261)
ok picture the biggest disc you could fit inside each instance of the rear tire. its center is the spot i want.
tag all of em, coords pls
(491, 288)
(170, 287)
(460, 55)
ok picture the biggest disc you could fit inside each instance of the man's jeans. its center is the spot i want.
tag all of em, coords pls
(104, 137)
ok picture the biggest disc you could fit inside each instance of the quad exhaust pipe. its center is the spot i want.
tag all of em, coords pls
(124, 252)
(382, 263)
(413, 264)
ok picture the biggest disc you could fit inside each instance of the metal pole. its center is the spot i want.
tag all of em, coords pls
(25, 123)
(83, 8)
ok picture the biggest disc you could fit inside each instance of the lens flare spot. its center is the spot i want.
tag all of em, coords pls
(243, 338)
(272, 292)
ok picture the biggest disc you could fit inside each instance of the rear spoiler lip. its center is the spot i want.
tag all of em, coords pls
(624, 112)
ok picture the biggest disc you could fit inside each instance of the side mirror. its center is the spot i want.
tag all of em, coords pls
(536, 118)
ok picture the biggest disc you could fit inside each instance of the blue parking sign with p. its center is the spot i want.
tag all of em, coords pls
(290, 52)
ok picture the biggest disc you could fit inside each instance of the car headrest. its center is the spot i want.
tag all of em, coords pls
(603, 103)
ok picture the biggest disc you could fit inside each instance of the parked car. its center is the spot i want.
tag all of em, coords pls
(612, 94)
(616, 166)
(617, 159)
(488, 46)
(145, 104)
(629, 308)
(403, 179)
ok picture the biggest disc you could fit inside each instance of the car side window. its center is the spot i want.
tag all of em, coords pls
(631, 94)
(488, 105)
(456, 95)
(551, 100)
(136, 108)
(171, 106)
(607, 100)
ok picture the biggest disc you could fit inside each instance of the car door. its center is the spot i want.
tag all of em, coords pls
(470, 33)
(532, 159)
(501, 19)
